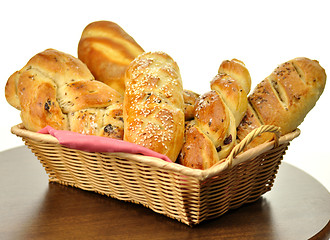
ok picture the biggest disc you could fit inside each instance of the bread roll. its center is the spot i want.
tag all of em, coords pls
(58, 90)
(210, 137)
(153, 104)
(284, 98)
(107, 50)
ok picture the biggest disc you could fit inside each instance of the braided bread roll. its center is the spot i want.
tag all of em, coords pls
(284, 98)
(58, 90)
(107, 50)
(153, 104)
(210, 137)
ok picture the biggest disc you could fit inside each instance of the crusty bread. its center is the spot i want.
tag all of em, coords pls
(284, 98)
(153, 104)
(107, 50)
(58, 90)
(210, 137)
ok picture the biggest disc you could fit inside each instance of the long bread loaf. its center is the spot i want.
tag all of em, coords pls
(153, 104)
(284, 98)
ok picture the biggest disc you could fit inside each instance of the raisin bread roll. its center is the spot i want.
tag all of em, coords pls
(58, 90)
(153, 104)
(284, 98)
(107, 50)
(210, 137)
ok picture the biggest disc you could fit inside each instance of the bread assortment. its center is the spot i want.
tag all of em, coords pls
(211, 136)
(115, 89)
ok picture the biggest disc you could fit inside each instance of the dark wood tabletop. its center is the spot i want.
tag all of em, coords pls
(298, 207)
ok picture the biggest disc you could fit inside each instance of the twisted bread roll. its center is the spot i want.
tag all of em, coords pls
(107, 50)
(284, 98)
(212, 134)
(153, 104)
(58, 90)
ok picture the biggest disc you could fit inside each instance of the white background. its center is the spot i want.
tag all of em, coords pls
(199, 35)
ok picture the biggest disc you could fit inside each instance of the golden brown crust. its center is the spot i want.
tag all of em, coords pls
(107, 50)
(153, 104)
(189, 98)
(237, 70)
(211, 116)
(216, 121)
(248, 123)
(232, 94)
(286, 96)
(197, 148)
(38, 103)
(233, 83)
(11, 90)
(58, 90)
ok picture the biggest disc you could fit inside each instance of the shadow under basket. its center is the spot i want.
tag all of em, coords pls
(187, 195)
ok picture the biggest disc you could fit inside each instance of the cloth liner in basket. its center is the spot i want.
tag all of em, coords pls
(187, 195)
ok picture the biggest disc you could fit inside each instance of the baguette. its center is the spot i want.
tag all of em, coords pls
(58, 90)
(210, 137)
(284, 98)
(153, 104)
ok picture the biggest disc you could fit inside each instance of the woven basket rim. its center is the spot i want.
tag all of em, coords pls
(201, 175)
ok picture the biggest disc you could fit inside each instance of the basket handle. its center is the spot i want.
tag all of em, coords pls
(250, 137)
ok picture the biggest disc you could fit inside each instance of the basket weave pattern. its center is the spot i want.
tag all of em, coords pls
(188, 195)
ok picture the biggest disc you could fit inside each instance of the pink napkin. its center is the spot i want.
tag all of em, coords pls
(91, 143)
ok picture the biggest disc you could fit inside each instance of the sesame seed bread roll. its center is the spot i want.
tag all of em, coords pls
(153, 104)
(58, 90)
(284, 98)
(107, 50)
(210, 137)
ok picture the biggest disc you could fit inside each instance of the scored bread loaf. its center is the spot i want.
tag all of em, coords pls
(283, 98)
(58, 90)
(153, 104)
(107, 50)
(210, 137)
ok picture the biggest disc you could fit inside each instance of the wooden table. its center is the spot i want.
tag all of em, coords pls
(298, 207)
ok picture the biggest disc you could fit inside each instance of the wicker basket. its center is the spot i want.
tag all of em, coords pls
(188, 195)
